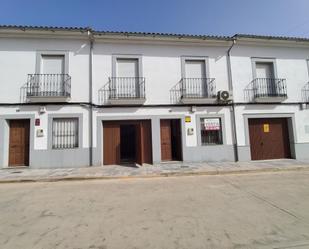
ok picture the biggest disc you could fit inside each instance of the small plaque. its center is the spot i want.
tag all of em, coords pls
(188, 119)
(266, 128)
(37, 122)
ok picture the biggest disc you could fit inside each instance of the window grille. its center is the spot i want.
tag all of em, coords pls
(65, 133)
(211, 131)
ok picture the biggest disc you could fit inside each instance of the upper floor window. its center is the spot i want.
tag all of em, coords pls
(51, 79)
(126, 67)
(264, 70)
(195, 69)
(52, 64)
(195, 84)
(127, 81)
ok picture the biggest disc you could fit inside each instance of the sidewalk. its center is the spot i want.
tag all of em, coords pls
(148, 171)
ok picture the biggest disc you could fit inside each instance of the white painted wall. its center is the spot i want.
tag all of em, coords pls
(18, 59)
(161, 66)
(291, 64)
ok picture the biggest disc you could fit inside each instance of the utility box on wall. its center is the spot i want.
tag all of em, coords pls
(40, 133)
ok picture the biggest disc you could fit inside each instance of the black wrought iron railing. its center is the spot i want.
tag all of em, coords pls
(269, 87)
(127, 88)
(49, 85)
(198, 88)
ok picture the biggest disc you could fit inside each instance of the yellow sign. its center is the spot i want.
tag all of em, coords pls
(266, 128)
(188, 119)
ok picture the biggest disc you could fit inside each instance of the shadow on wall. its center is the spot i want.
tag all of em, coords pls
(175, 93)
(305, 93)
(249, 92)
(23, 93)
(103, 94)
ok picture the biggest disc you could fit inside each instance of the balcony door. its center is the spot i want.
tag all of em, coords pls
(52, 74)
(126, 84)
(265, 75)
(195, 78)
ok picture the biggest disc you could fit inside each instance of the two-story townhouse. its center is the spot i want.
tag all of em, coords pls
(72, 97)
(44, 96)
(270, 80)
(155, 96)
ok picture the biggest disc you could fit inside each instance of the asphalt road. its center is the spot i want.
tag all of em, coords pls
(269, 210)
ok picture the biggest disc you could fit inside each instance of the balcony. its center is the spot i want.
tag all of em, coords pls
(269, 90)
(126, 90)
(48, 87)
(198, 90)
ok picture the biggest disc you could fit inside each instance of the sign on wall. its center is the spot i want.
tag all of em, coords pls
(212, 124)
(188, 119)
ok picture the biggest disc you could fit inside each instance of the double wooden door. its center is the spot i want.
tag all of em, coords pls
(112, 141)
(269, 138)
(19, 142)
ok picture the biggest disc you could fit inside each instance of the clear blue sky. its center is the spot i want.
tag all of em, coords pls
(218, 17)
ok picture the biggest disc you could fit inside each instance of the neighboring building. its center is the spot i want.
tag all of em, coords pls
(73, 97)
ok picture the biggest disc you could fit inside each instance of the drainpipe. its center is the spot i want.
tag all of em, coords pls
(91, 40)
(233, 118)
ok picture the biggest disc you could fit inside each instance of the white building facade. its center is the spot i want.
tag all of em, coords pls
(74, 97)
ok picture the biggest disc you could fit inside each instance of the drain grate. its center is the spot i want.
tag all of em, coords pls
(16, 172)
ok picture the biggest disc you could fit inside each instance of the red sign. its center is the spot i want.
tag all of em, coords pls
(212, 124)
(37, 122)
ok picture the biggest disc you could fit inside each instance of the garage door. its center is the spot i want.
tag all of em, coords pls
(269, 138)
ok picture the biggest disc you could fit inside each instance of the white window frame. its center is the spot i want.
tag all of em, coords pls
(139, 58)
(194, 58)
(255, 60)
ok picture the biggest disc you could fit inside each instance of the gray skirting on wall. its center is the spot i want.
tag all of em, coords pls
(69, 158)
(212, 153)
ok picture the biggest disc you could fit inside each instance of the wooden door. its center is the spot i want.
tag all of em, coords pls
(111, 143)
(269, 138)
(146, 141)
(139, 143)
(19, 142)
(166, 140)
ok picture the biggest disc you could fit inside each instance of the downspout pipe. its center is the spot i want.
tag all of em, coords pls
(233, 118)
(91, 41)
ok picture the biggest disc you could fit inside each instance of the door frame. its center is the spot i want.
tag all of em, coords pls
(291, 128)
(5, 136)
(26, 145)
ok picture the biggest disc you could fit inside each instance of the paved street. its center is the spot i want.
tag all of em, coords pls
(267, 210)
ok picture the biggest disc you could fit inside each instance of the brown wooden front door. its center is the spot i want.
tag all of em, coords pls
(166, 140)
(113, 145)
(269, 138)
(19, 142)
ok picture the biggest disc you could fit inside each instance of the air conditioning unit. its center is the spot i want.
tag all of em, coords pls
(225, 96)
